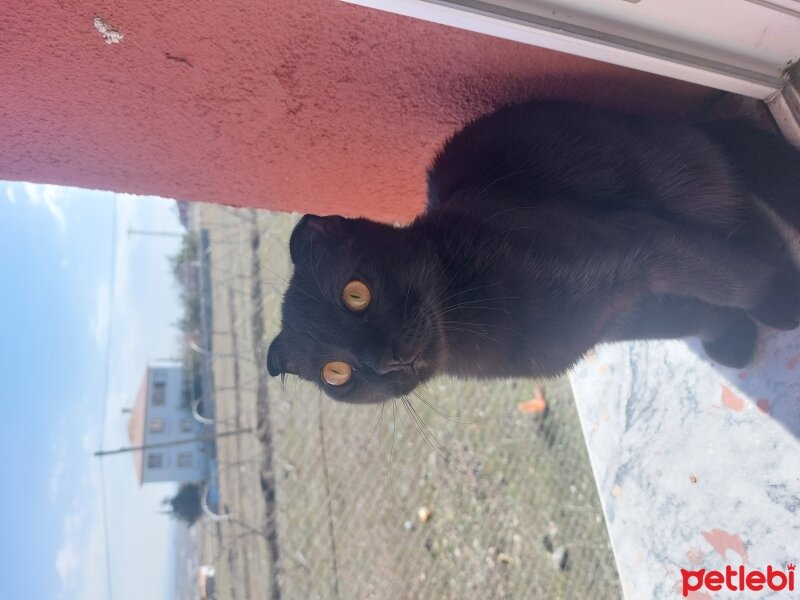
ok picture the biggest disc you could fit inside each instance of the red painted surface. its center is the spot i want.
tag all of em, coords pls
(313, 105)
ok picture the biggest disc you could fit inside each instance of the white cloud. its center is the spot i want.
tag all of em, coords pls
(67, 561)
(51, 197)
(57, 472)
(90, 441)
(99, 324)
(80, 561)
(10, 195)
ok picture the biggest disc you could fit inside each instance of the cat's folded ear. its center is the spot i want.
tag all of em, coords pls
(278, 361)
(312, 229)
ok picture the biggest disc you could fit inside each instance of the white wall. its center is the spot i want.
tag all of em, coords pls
(171, 414)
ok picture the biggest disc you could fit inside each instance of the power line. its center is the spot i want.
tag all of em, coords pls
(106, 385)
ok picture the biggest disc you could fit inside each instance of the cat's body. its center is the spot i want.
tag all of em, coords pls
(549, 229)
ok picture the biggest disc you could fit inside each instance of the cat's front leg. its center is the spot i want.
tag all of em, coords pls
(728, 335)
(718, 274)
(714, 270)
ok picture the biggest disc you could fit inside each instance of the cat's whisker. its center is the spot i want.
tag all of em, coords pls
(316, 276)
(433, 442)
(467, 303)
(496, 325)
(380, 429)
(484, 299)
(509, 329)
(377, 419)
(314, 267)
(479, 333)
(284, 280)
(278, 275)
(451, 418)
(391, 450)
(450, 244)
(446, 309)
(445, 313)
(285, 283)
(428, 302)
(408, 434)
(405, 306)
(473, 289)
(442, 454)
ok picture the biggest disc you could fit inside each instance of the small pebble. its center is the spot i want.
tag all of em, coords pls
(559, 558)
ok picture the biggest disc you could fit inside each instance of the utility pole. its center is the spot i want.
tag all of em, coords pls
(200, 438)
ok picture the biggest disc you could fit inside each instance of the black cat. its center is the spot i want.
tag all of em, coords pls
(548, 229)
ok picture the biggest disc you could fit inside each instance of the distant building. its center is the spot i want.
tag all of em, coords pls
(161, 415)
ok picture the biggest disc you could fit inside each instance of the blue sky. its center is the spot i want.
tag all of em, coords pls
(62, 311)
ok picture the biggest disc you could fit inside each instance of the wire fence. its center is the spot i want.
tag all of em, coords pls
(459, 495)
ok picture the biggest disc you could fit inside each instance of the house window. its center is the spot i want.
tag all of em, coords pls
(187, 425)
(159, 393)
(155, 460)
(157, 426)
(184, 459)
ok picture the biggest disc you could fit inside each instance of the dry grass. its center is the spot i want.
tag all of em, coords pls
(349, 481)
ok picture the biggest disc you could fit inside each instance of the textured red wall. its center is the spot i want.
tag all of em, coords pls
(314, 106)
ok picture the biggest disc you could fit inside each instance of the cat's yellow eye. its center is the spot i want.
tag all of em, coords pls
(356, 295)
(337, 373)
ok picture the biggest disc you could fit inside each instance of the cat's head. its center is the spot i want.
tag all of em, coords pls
(359, 317)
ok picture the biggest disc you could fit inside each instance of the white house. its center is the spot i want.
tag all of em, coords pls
(158, 416)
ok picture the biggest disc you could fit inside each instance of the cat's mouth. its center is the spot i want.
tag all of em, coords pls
(412, 372)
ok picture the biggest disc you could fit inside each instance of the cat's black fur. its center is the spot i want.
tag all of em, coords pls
(551, 228)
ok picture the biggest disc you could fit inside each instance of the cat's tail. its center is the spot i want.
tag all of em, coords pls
(763, 162)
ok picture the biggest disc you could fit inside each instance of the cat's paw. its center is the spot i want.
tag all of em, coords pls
(736, 346)
(781, 308)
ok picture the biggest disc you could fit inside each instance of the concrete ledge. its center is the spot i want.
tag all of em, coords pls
(697, 465)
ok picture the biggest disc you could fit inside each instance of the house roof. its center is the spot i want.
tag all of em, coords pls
(136, 425)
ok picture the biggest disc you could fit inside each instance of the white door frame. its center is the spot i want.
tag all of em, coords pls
(595, 39)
